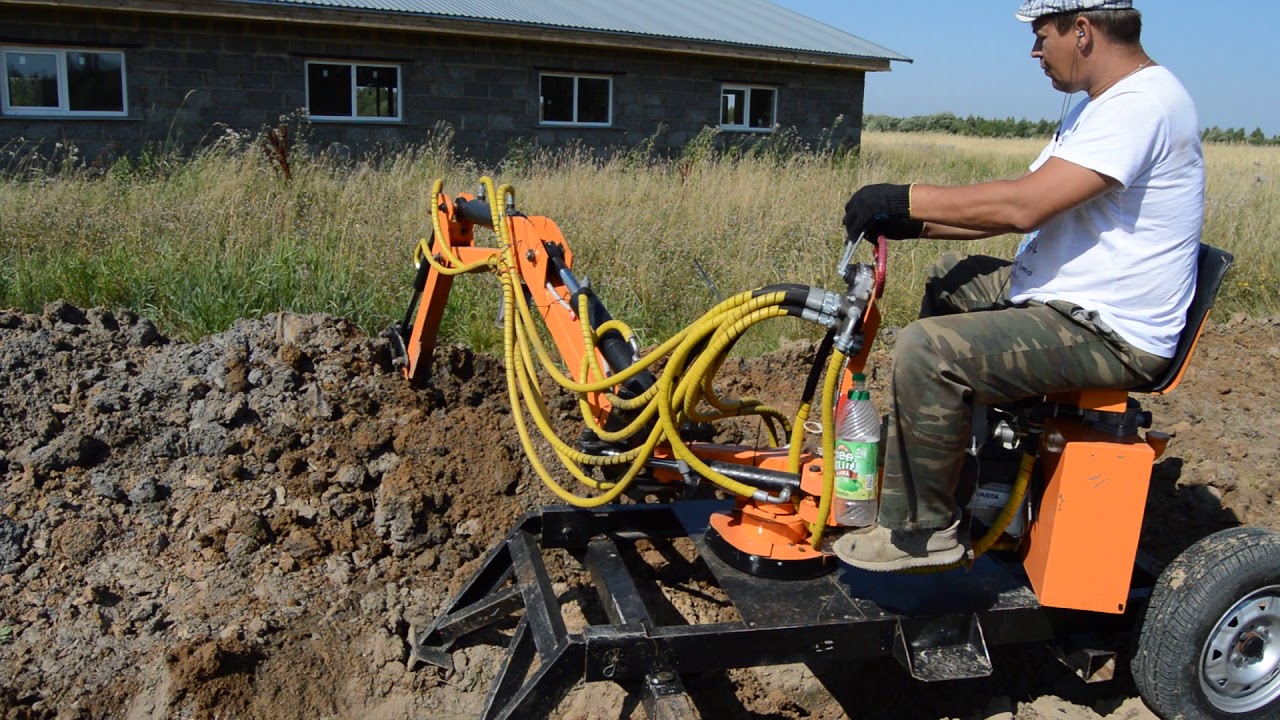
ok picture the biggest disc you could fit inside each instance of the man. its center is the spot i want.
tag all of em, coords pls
(1095, 297)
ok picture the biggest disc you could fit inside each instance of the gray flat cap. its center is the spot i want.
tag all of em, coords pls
(1032, 9)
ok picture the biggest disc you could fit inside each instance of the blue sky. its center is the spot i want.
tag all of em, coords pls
(973, 57)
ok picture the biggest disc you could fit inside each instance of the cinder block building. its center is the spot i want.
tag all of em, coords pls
(114, 76)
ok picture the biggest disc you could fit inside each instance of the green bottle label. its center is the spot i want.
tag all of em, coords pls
(856, 470)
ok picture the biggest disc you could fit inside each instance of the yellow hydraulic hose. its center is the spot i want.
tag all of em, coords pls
(515, 367)
(518, 382)
(713, 356)
(694, 355)
(992, 537)
(544, 357)
(541, 418)
(423, 253)
(830, 383)
(685, 382)
(1011, 507)
(796, 443)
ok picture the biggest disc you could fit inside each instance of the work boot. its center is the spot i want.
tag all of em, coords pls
(885, 550)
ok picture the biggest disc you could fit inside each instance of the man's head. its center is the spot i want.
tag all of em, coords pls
(1076, 37)
(1115, 18)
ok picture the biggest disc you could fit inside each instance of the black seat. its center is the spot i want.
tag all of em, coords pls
(1211, 268)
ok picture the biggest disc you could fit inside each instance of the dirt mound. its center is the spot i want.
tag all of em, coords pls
(250, 525)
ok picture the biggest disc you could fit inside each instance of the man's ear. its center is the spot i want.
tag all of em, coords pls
(1083, 31)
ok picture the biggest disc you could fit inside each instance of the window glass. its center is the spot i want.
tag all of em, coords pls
(94, 82)
(762, 107)
(329, 89)
(733, 103)
(557, 98)
(32, 79)
(377, 92)
(593, 100)
(748, 107)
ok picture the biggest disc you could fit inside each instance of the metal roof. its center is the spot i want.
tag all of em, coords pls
(755, 23)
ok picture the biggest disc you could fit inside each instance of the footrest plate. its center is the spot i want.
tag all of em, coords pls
(949, 647)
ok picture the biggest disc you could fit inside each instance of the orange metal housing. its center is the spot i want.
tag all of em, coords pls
(549, 296)
(773, 532)
(1081, 548)
(1103, 400)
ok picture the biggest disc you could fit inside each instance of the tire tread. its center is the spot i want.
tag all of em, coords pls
(1168, 643)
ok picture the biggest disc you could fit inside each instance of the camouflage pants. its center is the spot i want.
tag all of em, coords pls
(970, 346)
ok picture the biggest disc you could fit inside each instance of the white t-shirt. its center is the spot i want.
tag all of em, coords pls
(1130, 253)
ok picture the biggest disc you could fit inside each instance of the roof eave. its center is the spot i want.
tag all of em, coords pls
(415, 22)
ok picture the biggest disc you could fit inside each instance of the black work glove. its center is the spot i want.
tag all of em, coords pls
(881, 209)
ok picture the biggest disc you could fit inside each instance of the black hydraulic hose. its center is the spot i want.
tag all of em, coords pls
(762, 478)
(815, 370)
(757, 477)
(782, 288)
(796, 303)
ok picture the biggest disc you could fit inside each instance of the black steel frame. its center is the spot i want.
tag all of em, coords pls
(938, 626)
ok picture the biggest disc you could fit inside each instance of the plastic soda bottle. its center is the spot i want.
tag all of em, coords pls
(859, 384)
(857, 492)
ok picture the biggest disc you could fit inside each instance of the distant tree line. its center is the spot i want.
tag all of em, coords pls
(1216, 134)
(952, 124)
(1010, 127)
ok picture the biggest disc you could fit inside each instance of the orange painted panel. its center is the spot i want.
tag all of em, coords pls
(772, 532)
(1081, 548)
(1105, 400)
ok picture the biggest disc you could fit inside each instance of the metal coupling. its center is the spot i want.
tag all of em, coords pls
(830, 303)
(1054, 441)
(1005, 434)
(848, 337)
(828, 321)
(690, 478)
(783, 496)
(861, 283)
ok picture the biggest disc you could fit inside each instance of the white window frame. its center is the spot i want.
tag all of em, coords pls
(575, 122)
(355, 65)
(746, 110)
(64, 98)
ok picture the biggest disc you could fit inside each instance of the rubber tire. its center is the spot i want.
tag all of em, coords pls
(1190, 597)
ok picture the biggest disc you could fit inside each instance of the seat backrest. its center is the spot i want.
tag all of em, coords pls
(1211, 268)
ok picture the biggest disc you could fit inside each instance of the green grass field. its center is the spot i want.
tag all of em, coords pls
(196, 243)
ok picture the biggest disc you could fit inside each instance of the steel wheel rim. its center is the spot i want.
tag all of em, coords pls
(1240, 662)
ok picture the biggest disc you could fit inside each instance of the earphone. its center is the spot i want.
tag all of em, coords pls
(1080, 34)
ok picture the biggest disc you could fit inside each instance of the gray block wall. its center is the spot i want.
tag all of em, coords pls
(189, 79)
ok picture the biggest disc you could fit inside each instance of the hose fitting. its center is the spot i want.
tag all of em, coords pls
(848, 340)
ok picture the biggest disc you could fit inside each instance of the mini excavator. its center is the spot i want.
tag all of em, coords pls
(1057, 561)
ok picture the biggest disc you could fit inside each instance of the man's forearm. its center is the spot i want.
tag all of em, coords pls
(1009, 206)
(939, 231)
(972, 211)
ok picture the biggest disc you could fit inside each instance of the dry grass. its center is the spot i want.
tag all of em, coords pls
(200, 242)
